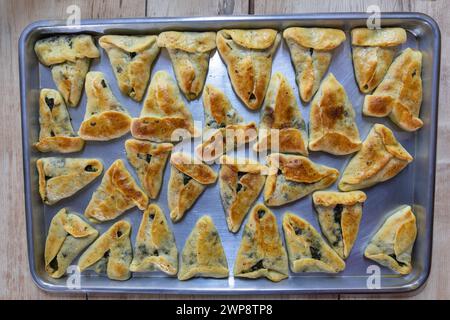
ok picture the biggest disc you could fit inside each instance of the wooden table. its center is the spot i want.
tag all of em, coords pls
(15, 280)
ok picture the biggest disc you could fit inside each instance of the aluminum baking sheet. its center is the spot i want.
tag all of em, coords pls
(413, 186)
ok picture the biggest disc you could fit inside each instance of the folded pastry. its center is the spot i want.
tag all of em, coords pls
(293, 177)
(68, 235)
(189, 52)
(60, 178)
(69, 56)
(261, 253)
(155, 247)
(339, 216)
(188, 179)
(56, 133)
(311, 52)
(248, 55)
(373, 52)
(308, 252)
(131, 58)
(393, 243)
(110, 253)
(224, 126)
(203, 254)
(105, 118)
(332, 126)
(117, 193)
(149, 159)
(381, 158)
(164, 116)
(399, 95)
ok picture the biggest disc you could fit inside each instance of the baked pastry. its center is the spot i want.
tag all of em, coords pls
(69, 56)
(339, 216)
(373, 51)
(117, 193)
(60, 178)
(68, 235)
(399, 95)
(203, 254)
(149, 159)
(248, 55)
(105, 118)
(189, 52)
(332, 126)
(110, 253)
(223, 125)
(261, 253)
(241, 182)
(308, 252)
(282, 127)
(311, 52)
(155, 247)
(164, 116)
(294, 177)
(393, 243)
(56, 132)
(188, 179)
(131, 58)
(381, 158)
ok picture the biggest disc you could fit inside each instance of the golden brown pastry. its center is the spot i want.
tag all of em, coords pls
(203, 254)
(56, 132)
(399, 95)
(311, 52)
(60, 178)
(117, 193)
(393, 243)
(381, 158)
(261, 253)
(131, 58)
(189, 52)
(248, 55)
(332, 126)
(339, 216)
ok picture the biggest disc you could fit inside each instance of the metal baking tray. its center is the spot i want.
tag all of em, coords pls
(413, 186)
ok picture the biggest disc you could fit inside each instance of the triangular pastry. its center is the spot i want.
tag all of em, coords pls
(203, 254)
(332, 126)
(117, 193)
(308, 252)
(381, 158)
(188, 179)
(149, 160)
(68, 235)
(311, 51)
(393, 243)
(164, 116)
(248, 55)
(155, 247)
(60, 178)
(110, 253)
(282, 127)
(189, 52)
(294, 177)
(373, 51)
(105, 118)
(261, 253)
(399, 95)
(56, 132)
(339, 215)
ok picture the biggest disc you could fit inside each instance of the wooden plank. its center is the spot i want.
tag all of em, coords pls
(157, 8)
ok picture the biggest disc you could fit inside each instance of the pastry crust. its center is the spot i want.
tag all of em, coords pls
(248, 55)
(384, 37)
(203, 254)
(332, 123)
(261, 253)
(381, 158)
